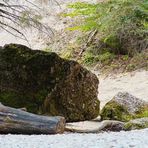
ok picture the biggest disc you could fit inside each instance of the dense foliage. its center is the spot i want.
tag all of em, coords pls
(122, 24)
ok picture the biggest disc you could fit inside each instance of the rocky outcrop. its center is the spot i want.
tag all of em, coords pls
(124, 107)
(46, 84)
(139, 123)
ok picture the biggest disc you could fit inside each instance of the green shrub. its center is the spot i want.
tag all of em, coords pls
(122, 24)
(88, 58)
(105, 57)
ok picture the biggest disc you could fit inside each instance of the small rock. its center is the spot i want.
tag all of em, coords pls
(23, 109)
(124, 107)
(139, 123)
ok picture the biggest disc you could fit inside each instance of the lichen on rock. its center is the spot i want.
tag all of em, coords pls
(44, 83)
(124, 107)
(139, 123)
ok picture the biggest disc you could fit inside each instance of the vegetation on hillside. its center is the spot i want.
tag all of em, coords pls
(118, 30)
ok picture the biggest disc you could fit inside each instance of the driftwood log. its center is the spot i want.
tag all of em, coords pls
(16, 121)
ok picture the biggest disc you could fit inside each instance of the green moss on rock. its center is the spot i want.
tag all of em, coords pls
(139, 123)
(18, 100)
(124, 107)
(114, 111)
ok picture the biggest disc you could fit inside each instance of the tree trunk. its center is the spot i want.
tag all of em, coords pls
(16, 121)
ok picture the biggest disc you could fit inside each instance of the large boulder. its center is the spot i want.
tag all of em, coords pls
(46, 84)
(124, 107)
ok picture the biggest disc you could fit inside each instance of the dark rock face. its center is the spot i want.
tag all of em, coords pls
(44, 83)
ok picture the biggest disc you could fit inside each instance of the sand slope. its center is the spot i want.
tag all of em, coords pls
(135, 83)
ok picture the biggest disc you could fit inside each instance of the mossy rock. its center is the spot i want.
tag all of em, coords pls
(44, 83)
(124, 107)
(139, 123)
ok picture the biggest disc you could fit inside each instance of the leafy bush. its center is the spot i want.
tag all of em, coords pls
(104, 58)
(122, 24)
(88, 58)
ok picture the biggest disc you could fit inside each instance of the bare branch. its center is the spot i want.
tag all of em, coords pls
(12, 15)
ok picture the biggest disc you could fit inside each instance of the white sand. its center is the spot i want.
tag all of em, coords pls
(132, 139)
(135, 83)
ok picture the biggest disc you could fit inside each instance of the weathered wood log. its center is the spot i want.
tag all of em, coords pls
(16, 121)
